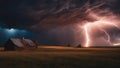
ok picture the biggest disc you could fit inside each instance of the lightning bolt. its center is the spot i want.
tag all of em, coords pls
(107, 34)
(98, 25)
(87, 36)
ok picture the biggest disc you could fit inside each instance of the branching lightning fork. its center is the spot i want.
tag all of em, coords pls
(97, 25)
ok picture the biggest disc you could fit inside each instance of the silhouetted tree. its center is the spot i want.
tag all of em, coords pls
(68, 45)
(79, 46)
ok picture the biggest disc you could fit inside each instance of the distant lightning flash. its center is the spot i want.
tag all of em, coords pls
(116, 44)
(100, 25)
(87, 36)
(108, 36)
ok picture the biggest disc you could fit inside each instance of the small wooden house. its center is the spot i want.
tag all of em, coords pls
(19, 44)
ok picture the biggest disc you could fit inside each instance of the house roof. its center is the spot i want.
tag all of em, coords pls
(30, 42)
(19, 43)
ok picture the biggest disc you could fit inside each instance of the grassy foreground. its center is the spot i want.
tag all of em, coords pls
(61, 57)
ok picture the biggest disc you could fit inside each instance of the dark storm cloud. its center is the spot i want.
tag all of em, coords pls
(13, 13)
(71, 12)
(25, 13)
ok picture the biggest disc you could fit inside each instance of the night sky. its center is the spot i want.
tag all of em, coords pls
(52, 22)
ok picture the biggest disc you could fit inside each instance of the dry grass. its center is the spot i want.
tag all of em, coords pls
(61, 57)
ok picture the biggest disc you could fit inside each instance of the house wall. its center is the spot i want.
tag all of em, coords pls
(9, 46)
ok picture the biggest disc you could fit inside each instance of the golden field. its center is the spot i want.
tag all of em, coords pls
(61, 57)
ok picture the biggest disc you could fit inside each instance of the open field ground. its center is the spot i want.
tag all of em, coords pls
(61, 57)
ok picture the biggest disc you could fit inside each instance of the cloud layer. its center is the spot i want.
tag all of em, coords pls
(52, 19)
